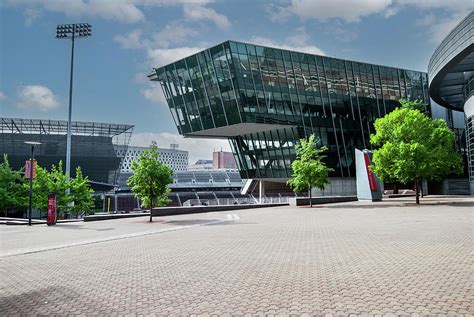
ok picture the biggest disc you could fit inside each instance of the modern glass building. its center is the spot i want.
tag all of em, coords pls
(263, 100)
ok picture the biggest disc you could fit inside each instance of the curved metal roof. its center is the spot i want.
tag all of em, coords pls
(452, 64)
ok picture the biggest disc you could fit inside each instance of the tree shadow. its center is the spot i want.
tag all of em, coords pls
(189, 222)
(376, 205)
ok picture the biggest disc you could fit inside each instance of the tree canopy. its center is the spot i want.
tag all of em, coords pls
(13, 196)
(413, 147)
(80, 193)
(309, 170)
(150, 179)
(76, 200)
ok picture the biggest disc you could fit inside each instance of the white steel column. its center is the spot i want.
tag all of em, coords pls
(261, 191)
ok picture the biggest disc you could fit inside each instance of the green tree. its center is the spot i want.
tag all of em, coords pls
(150, 179)
(13, 195)
(81, 194)
(41, 188)
(59, 185)
(413, 147)
(309, 170)
(46, 182)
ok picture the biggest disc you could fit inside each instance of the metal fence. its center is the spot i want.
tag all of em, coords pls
(235, 201)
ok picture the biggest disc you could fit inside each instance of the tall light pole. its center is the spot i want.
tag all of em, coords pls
(32, 159)
(71, 31)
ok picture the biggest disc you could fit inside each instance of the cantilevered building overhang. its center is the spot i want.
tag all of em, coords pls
(265, 99)
(451, 79)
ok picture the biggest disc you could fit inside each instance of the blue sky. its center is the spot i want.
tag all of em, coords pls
(130, 37)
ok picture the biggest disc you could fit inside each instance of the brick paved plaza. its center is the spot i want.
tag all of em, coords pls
(388, 258)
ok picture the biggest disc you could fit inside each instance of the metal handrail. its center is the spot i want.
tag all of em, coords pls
(468, 88)
(235, 201)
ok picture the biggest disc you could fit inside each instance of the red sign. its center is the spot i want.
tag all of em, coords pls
(28, 168)
(370, 174)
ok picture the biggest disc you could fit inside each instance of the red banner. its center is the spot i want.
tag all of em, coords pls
(51, 219)
(28, 168)
(370, 174)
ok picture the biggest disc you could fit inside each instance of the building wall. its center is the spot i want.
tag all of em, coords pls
(94, 154)
(338, 186)
(201, 165)
(176, 159)
(224, 160)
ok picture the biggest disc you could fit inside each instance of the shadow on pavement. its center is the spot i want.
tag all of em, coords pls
(81, 227)
(189, 222)
(400, 204)
(231, 223)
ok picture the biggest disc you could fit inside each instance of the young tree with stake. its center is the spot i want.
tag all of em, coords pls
(150, 178)
(309, 170)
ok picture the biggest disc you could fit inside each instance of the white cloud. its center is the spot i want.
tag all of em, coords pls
(125, 11)
(427, 20)
(350, 11)
(31, 14)
(344, 34)
(122, 11)
(37, 98)
(452, 5)
(172, 34)
(161, 56)
(158, 53)
(2, 96)
(293, 44)
(438, 28)
(198, 148)
(154, 93)
(131, 40)
(355, 10)
(202, 13)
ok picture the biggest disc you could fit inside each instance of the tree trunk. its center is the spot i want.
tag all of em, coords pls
(310, 198)
(417, 190)
(151, 210)
(395, 188)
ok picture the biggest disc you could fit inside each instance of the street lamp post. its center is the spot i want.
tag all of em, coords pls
(32, 159)
(71, 31)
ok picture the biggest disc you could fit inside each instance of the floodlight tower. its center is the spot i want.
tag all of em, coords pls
(71, 31)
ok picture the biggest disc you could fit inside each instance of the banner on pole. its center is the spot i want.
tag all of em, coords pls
(28, 169)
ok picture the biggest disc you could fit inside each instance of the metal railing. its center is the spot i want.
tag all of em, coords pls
(468, 88)
(235, 201)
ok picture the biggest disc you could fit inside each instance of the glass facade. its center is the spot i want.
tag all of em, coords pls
(275, 97)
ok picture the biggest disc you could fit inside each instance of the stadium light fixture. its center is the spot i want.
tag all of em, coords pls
(71, 31)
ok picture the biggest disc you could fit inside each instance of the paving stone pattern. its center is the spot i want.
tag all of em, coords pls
(279, 261)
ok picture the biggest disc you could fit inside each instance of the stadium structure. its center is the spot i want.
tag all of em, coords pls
(177, 160)
(263, 100)
(94, 146)
(204, 187)
(451, 83)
